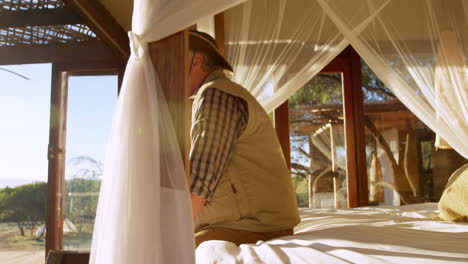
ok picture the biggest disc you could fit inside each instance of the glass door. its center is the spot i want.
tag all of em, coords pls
(91, 103)
(318, 149)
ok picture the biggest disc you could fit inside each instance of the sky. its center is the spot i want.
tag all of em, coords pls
(24, 120)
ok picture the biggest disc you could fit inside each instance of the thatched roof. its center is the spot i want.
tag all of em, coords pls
(385, 114)
(35, 31)
(40, 22)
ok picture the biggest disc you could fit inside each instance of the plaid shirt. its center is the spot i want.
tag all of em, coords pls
(218, 123)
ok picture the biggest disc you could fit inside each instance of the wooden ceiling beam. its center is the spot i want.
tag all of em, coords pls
(91, 51)
(39, 17)
(103, 25)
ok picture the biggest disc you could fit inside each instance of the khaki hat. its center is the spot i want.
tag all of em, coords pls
(203, 42)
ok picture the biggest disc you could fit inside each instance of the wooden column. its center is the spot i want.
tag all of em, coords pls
(56, 157)
(219, 32)
(354, 131)
(170, 58)
(281, 117)
(363, 188)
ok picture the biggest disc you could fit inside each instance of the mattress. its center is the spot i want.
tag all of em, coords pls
(403, 234)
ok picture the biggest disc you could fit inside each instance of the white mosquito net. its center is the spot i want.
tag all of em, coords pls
(418, 48)
(144, 213)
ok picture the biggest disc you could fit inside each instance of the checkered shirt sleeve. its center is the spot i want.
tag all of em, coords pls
(218, 122)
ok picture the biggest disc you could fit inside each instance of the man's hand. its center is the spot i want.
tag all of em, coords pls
(197, 204)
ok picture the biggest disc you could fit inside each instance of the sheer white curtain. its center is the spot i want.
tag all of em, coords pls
(276, 46)
(144, 213)
(419, 49)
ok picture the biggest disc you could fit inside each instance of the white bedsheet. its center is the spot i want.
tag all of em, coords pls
(405, 234)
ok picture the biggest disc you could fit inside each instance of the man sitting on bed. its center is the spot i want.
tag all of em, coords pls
(240, 183)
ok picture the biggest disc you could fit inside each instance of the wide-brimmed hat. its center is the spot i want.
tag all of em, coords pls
(203, 42)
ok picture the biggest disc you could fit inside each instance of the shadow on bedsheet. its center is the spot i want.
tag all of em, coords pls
(398, 238)
(321, 219)
(373, 252)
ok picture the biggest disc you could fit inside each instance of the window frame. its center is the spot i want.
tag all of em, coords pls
(57, 140)
(348, 63)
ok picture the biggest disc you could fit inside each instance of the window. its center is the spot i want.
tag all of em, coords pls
(91, 103)
(403, 166)
(394, 163)
(24, 135)
(318, 151)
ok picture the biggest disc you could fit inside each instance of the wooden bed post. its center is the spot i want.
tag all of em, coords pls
(56, 156)
(170, 57)
(354, 130)
(281, 117)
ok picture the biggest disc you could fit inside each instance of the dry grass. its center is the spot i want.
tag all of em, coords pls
(5, 227)
(13, 241)
(18, 242)
(22, 257)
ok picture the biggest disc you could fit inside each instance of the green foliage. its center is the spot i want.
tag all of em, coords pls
(25, 205)
(81, 201)
(300, 185)
(302, 199)
(323, 89)
(374, 88)
(82, 191)
(4, 196)
(326, 88)
(297, 180)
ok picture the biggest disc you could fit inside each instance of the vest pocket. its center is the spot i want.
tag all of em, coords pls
(222, 208)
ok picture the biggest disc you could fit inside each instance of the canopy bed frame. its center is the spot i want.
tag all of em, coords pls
(108, 51)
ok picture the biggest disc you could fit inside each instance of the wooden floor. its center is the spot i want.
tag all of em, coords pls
(22, 257)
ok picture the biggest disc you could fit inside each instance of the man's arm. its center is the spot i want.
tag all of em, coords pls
(218, 123)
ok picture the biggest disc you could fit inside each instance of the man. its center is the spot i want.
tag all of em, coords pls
(240, 184)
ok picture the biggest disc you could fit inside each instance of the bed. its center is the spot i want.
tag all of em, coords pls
(396, 234)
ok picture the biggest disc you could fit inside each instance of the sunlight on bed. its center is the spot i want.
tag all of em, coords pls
(397, 234)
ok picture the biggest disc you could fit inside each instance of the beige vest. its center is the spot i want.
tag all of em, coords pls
(255, 192)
